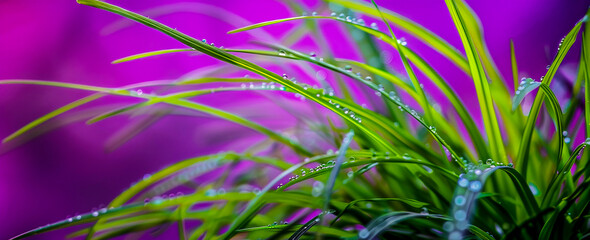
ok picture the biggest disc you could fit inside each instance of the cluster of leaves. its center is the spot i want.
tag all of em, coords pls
(395, 174)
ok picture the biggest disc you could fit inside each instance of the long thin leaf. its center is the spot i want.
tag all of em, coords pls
(481, 86)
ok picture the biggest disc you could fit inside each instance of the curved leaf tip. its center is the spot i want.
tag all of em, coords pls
(526, 86)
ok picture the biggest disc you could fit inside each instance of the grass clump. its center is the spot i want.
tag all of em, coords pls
(400, 172)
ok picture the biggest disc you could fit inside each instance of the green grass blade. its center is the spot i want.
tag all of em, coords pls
(558, 115)
(481, 85)
(525, 143)
(51, 115)
(514, 66)
(267, 23)
(150, 54)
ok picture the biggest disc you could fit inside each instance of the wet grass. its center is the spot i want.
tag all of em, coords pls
(396, 174)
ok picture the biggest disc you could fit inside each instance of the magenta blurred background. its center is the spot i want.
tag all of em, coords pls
(72, 169)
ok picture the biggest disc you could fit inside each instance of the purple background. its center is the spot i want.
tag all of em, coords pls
(69, 170)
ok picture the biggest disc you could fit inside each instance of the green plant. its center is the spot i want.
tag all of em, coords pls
(407, 176)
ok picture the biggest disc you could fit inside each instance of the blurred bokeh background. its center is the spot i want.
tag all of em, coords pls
(68, 167)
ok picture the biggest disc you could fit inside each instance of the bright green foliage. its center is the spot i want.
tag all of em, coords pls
(387, 180)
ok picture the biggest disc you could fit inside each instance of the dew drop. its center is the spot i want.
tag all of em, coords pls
(424, 211)
(432, 128)
(448, 226)
(455, 236)
(402, 41)
(318, 188)
(460, 215)
(459, 200)
(374, 26)
(462, 225)
(211, 193)
(499, 229)
(364, 233)
(475, 186)
(157, 200)
(463, 182)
